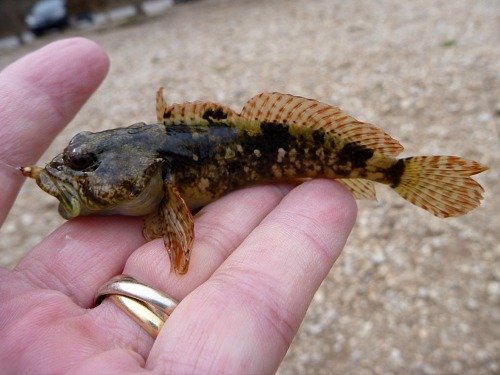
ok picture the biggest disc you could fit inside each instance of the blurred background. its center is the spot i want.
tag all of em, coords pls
(411, 293)
(22, 20)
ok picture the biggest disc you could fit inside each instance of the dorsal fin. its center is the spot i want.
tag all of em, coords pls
(160, 104)
(190, 112)
(360, 188)
(299, 111)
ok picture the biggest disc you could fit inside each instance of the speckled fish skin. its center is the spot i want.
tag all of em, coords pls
(220, 157)
(199, 151)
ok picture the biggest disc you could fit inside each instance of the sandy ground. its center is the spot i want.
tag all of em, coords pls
(411, 292)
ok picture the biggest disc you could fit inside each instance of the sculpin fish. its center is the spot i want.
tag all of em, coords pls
(198, 151)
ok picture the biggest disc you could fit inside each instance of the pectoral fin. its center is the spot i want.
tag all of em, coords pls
(172, 221)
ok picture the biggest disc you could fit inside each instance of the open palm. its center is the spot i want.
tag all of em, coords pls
(260, 254)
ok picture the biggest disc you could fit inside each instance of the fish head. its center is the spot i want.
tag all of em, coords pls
(111, 172)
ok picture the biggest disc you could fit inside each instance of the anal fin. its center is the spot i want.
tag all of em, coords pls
(172, 221)
(360, 188)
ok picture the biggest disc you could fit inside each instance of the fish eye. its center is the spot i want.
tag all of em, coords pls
(79, 161)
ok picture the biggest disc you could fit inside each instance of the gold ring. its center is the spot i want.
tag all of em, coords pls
(145, 305)
(140, 313)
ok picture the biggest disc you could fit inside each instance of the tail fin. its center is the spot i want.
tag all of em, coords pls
(441, 184)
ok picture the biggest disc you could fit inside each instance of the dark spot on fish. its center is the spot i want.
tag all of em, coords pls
(217, 114)
(319, 137)
(272, 137)
(395, 172)
(167, 114)
(356, 154)
(277, 135)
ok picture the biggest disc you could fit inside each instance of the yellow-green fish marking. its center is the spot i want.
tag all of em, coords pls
(199, 151)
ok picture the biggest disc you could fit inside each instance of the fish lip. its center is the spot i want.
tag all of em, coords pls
(69, 200)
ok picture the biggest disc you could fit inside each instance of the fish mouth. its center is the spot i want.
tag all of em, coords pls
(69, 200)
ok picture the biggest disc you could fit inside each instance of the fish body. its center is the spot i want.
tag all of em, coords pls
(196, 152)
(219, 157)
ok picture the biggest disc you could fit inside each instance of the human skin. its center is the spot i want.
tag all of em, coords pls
(259, 255)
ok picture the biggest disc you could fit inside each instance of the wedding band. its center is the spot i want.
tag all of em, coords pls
(140, 313)
(148, 307)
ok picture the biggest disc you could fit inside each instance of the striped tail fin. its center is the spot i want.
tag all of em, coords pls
(441, 184)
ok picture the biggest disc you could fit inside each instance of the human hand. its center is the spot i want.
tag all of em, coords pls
(260, 254)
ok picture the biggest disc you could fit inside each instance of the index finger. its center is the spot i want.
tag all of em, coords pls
(58, 79)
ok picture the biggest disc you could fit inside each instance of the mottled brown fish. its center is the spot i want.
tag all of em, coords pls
(199, 151)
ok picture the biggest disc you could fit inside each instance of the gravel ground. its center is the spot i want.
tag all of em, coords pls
(411, 292)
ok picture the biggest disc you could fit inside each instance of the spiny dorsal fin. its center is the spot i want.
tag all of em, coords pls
(299, 111)
(190, 112)
(160, 104)
(360, 188)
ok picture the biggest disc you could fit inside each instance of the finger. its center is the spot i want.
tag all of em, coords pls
(81, 255)
(219, 230)
(84, 253)
(245, 316)
(40, 94)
